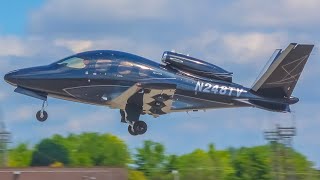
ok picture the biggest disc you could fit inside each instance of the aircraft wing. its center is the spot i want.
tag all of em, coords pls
(155, 98)
(121, 100)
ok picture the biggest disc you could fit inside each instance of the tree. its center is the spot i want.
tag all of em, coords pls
(72, 143)
(20, 156)
(172, 163)
(221, 162)
(48, 152)
(93, 149)
(252, 163)
(291, 164)
(196, 165)
(150, 158)
(136, 175)
(102, 150)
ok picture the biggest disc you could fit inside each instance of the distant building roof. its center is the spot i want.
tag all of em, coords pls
(64, 173)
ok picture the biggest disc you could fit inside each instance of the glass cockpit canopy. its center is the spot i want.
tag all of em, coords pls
(73, 62)
(80, 63)
(90, 59)
(105, 60)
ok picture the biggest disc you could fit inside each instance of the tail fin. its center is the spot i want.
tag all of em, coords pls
(282, 75)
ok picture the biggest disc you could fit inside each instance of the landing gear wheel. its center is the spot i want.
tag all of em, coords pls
(42, 116)
(140, 127)
(131, 131)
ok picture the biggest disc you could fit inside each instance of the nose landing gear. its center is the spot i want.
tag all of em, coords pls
(42, 115)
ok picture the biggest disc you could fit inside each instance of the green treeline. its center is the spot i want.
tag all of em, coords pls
(152, 162)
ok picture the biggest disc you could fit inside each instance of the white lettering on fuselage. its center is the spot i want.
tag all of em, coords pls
(199, 86)
(218, 89)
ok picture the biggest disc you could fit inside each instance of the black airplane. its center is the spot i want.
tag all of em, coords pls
(139, 86)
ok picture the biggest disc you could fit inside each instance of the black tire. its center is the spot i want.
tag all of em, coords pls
(131, 131)
(42, 117)
(140, 127)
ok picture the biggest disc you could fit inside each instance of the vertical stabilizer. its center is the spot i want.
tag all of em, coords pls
(282, 76)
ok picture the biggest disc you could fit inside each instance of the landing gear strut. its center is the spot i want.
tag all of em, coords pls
(42, 115)
(131, 116)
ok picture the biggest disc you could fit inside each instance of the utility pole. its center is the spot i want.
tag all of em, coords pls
(277, 137)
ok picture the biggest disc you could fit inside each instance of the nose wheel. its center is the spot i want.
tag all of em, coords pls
(42, 115)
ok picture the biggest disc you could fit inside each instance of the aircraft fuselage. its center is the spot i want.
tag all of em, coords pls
(94, 85)
(137, 85)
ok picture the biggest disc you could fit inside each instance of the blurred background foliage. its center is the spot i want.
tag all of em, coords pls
(152, 162)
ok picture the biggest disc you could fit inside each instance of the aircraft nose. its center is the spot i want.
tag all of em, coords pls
(11, 78)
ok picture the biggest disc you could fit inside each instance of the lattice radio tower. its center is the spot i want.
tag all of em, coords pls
(5, 139)
(277, 137)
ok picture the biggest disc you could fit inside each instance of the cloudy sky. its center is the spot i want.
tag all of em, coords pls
(238, 35)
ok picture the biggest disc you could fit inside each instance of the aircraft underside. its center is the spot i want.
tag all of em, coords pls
(103, 94)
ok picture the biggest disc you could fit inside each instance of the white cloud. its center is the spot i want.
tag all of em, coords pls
(114, 43)
(5, 65)
(100, 9)
(28, 46)
(202, 41)
(3, 95)
(240, 48)
(236, 47)
(99, 17)
(90, 122)
(283, 13)
(12, 46)
(21, 113)
(193, 127)
(74, 16)
(145, 49)
(116, 25)
(250, 47)
(75, 46)
(68, 120)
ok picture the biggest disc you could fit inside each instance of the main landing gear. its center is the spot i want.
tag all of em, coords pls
(131, 116)
(138, 128)
(42, 115)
